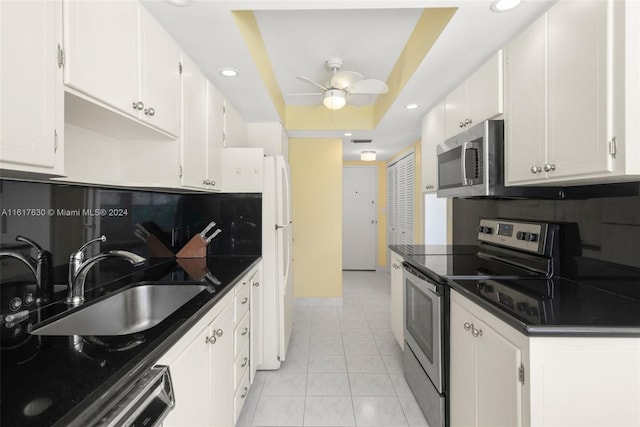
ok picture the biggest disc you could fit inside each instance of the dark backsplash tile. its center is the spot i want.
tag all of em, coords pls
(61, 217)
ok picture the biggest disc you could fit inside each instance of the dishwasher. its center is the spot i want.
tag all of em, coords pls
(147, 403)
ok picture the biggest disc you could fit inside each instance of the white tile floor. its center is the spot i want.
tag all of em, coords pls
(344, 367)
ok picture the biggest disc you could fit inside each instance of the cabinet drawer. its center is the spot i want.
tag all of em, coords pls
(242, 334)
(242, 303)
(241, 396)
(241, 365)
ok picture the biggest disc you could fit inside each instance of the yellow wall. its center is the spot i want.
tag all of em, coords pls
(382, 207)
(316, 200)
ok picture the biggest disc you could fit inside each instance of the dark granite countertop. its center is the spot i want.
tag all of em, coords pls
(56, 380)
(594, 298)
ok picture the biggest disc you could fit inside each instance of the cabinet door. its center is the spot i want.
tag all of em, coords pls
(159, 76)
(101, 48)
(215, 129)
(456, 111)
(463, 368)
(235, 128)
(485, 91)
(191, 376)
(30, 85)
(578, 97)
(526, 101)
(256, 337)
(397, 299)
(432, 135)
(194, 125)
(222, 387)
(499, 393)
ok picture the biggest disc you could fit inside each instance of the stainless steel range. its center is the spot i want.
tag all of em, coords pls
(507, 249)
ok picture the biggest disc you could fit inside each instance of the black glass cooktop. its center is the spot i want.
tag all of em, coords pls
(466, 266)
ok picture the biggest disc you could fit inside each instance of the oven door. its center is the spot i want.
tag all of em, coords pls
(423, 322)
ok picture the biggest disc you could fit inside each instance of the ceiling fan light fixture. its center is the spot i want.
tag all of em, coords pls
(334, 99)
(411, 106)
(368, 156)
(504, 5)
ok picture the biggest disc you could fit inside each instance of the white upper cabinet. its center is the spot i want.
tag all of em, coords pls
(526, 102)
(159, 76)
(31, 93)
(215, 137)
(478, 98)
(235, 128)
(118, 55)
(194, 126)
(101, 49)
(565, 88)
(432, 135)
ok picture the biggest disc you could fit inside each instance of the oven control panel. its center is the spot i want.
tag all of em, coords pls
(526, 236)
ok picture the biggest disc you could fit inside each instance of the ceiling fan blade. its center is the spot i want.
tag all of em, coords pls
(308, 80)
(372, 86)
(345, 79)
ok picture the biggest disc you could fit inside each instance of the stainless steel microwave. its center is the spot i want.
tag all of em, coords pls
(471, 164)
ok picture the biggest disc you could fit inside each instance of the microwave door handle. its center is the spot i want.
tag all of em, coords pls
(465, 147)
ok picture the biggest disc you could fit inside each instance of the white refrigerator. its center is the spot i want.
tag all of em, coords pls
(276, 309)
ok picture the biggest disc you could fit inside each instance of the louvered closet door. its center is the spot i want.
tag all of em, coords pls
(400, 201)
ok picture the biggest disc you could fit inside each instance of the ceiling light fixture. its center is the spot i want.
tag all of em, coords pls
(348, 134)
(411, 106)
(228, 72)
(504, 5)
(368, 156)
(334, 99)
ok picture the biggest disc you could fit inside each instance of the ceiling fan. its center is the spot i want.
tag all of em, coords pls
(343, 84)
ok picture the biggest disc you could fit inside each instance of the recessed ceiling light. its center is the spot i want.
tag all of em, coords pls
(180, 2)
(228, 72)
(411, 106)
(504, 5)
(348, 134)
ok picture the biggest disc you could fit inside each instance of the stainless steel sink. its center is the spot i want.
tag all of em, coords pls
(132, 310)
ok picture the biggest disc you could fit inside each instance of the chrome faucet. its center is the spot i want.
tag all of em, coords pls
(41, 266)
(79, 268)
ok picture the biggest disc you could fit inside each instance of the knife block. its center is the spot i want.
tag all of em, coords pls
(195, 248)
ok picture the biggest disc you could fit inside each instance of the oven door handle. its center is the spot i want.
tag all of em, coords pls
(423, 281)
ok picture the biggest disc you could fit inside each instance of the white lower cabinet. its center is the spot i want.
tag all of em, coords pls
(397, 298)
(201, 374)
(484, 367)
(501, 377)
(211, 364)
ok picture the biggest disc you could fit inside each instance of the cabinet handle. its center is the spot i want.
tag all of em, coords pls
(244, 362)
(468, 122)
(244, 300)
(536, 169)
(467, 326)
(150, 112)
(218, 333)
(461, 124)
(245, 331)
(476, 332)
(256, 284)
(548, 167)
(212, 183)
(138, 105)
(211, 340)
(244, 393)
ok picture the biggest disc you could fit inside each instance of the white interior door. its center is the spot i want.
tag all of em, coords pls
(359, 217)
